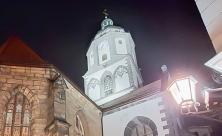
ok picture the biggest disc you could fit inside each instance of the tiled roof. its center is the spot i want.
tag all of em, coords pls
(15, 52)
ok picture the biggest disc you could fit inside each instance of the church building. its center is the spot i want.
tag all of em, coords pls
(113, 81)
(37, 99)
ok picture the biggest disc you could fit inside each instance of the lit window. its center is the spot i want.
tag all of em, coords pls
(17, 120)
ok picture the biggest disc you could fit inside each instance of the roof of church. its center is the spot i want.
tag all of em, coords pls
(146, 91)
(15, 52)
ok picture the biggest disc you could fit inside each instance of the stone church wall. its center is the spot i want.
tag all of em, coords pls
(77, 104)
(36, 84)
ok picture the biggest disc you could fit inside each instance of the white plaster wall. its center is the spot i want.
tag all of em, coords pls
(125, 87)
(114, 124)
(94, 93)
(120, 45)
(106, 42)
(211, 13)
(122, 82)
(111, 68)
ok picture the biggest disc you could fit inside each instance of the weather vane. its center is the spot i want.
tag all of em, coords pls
(105, 13)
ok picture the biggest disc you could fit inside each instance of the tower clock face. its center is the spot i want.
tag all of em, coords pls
(103, 52)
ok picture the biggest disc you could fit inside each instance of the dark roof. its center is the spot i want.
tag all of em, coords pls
(15, 52)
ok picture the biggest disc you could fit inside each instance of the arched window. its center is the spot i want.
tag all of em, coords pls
(79, 127)
(108, 85)
(93, 89)
(122, 80)
(141, 126)
(17, 117)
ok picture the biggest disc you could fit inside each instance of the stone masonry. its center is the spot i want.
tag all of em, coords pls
(37, 84)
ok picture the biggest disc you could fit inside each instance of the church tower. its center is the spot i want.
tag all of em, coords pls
(112, 65)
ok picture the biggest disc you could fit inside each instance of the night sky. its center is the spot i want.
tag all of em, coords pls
(167, 32)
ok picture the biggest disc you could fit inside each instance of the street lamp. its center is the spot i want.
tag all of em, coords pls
(183, 91)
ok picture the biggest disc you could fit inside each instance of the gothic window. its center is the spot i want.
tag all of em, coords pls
(120, 71)
(91, 58)
(108, 85)
(141, 126)
(17, 118)
(79, 127)
(122, 80)
(93, 89)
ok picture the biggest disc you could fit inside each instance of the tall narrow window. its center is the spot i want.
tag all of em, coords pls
(108, 85)
(91, 58)
(18, 115)
(103, 52)
(79, 127)
(120, 46)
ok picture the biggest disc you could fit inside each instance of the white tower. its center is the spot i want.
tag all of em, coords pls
(112, 65)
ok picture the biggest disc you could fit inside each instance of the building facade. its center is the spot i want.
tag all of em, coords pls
(112, 65)
(38, 100)
(211, 13)
(113, 82)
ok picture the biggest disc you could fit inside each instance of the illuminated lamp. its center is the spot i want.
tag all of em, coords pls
(183, 91)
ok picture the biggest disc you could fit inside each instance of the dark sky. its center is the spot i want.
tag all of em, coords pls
(165, 32)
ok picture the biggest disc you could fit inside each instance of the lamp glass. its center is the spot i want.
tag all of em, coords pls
(183, 89)
(175, 93)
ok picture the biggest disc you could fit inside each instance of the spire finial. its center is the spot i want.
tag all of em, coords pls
(105, 13)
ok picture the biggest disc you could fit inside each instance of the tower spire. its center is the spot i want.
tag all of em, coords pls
(105, 13)
(107, 21)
